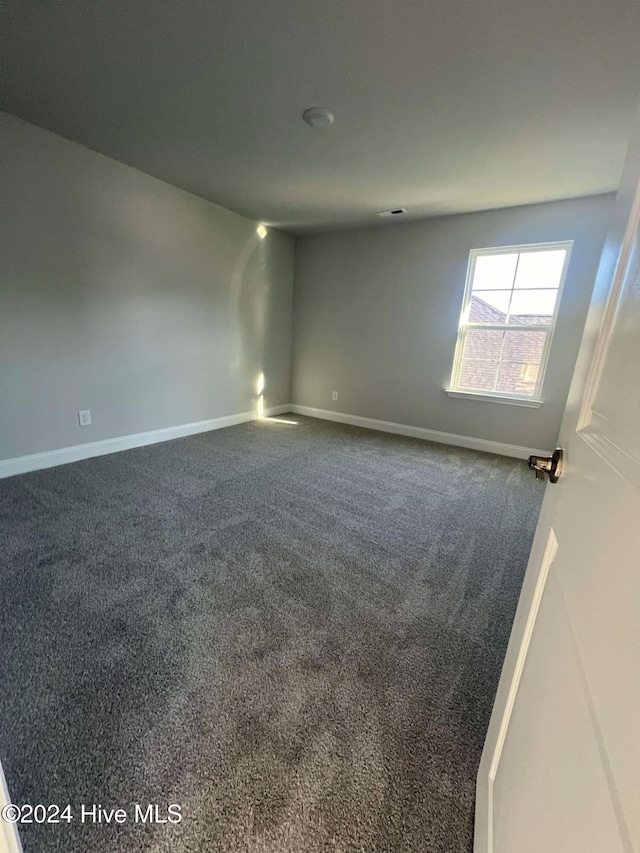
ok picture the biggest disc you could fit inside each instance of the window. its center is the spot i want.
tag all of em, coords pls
(508, 314)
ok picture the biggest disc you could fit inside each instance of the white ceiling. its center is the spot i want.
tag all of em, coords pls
(441, 106)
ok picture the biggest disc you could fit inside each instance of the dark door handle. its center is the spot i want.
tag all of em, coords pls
(550, 465)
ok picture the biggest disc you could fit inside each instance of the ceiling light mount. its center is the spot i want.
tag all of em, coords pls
(318, 117)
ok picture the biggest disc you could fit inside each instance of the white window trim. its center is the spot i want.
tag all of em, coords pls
(495, 396)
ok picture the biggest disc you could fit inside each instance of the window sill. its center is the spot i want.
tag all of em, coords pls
(527, 402)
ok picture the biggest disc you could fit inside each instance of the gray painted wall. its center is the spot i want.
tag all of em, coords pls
(376, 315)
(153, 308)
(131, 298)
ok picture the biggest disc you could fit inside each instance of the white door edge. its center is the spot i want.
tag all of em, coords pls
(547, 559)
(9, 838)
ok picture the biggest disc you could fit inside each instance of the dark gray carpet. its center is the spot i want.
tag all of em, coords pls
(293, 631)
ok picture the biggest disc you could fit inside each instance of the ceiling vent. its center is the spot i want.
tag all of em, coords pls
(396, 211)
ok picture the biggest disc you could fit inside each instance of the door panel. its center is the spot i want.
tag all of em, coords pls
(546, 808)
(598, 567)
(611, 410)
(619, 413)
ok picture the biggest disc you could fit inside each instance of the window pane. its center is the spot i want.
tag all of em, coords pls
(494, 272)
(506, 362)
(540, 269)
(477, 374)
(523, 347)
(517, 378)
(483, 343)
(489, 306)
(529, 307)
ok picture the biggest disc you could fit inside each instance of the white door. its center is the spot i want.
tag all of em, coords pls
(560, 772)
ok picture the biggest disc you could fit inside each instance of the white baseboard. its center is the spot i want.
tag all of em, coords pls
(468, 441)
(36, 461)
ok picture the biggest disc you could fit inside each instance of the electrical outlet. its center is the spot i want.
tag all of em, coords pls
(334, 395)
(84, 418)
